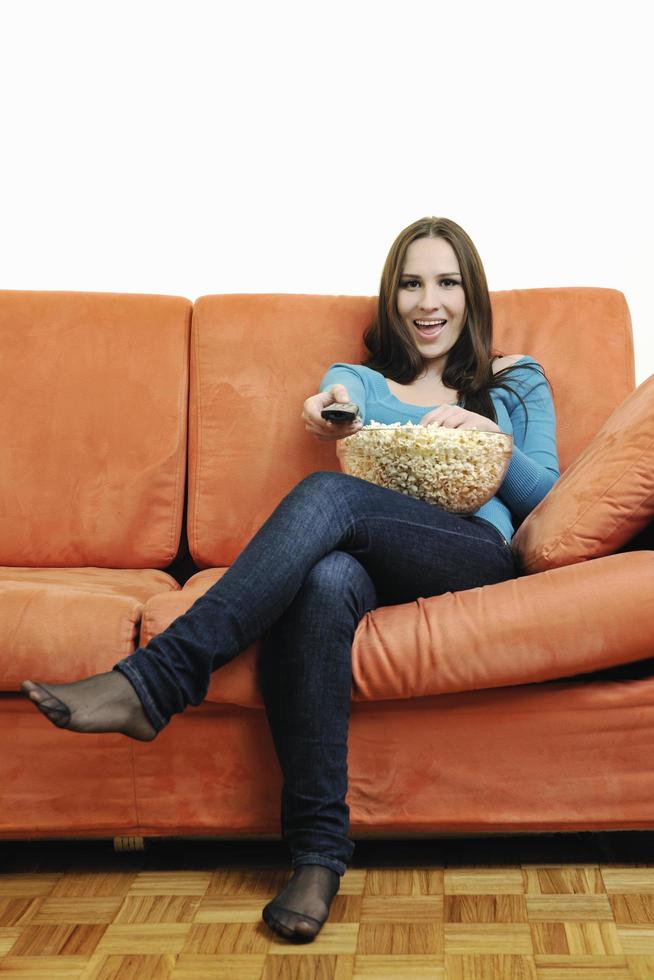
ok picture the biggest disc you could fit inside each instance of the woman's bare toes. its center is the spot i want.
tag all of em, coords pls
(102, 703)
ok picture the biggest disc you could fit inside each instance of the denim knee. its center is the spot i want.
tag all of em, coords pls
(328, 478)
(326, 482)
(340, 576)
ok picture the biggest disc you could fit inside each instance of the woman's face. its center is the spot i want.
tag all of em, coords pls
(431, 290)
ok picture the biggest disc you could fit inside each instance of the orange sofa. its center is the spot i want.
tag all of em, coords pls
(489, 710)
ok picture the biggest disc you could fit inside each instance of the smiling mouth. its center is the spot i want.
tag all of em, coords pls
(430, 328)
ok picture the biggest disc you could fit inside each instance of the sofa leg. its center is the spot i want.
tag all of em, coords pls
(129, 844)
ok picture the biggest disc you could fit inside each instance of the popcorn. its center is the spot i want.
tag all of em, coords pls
(457, 469)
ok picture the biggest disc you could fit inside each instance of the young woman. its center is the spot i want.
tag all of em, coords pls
(337, 546)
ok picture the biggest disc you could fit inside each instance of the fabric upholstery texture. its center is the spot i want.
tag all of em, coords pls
(604, 499)
(93, 428)
(256, 358)
(63, 624)
(457, 723)
(526, 630)
(529, 758)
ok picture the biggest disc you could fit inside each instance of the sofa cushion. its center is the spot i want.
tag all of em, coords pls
(523, 631)
(55, 786)
(63, 624)
(604, 499)
(236, 682)
(563, 756)
(93, 428)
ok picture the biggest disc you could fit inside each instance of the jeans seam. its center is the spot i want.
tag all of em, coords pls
(442, 530)
(352, 519)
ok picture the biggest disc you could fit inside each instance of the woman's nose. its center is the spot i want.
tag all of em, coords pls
(430, 300)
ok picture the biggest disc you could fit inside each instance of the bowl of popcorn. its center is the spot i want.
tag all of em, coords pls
(457, 469)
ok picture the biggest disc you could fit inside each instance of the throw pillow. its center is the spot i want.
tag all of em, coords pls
(603, 499)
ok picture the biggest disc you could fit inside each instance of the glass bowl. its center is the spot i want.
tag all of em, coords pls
(457, 469)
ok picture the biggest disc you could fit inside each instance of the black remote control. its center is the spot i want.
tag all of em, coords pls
(346, 412)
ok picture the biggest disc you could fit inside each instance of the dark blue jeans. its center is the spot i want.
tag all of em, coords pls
(334, 548)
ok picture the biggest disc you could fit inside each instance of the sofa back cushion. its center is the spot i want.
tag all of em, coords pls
(93, 428)
(256, 358)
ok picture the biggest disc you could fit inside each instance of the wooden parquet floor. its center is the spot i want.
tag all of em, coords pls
(543, 907)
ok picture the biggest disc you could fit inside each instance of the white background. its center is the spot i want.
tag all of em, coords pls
(207, 147)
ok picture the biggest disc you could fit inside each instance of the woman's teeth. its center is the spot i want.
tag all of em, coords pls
(429, 328)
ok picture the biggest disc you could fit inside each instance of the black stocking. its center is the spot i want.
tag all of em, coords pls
(301, 908)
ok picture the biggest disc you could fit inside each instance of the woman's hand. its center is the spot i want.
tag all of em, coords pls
(454, 417)
(321, 428)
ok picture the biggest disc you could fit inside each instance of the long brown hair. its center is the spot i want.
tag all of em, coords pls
(468, 367)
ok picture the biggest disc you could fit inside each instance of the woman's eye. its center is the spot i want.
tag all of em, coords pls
(407, 283)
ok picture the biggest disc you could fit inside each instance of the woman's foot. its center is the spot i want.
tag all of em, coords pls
(102, 703)
(302, 907)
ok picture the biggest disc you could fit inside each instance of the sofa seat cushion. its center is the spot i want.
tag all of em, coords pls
(62, 624)
(527, 630)
(536, 628)
(605, 498)
(236, 682)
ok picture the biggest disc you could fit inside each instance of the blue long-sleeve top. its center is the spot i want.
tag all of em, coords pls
(534, 465)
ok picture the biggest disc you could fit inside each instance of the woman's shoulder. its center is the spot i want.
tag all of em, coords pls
(525, 380)
(363, 368)
(521, 369)
(350, 374)
(363, 372)
(345, 364)
(501, 363)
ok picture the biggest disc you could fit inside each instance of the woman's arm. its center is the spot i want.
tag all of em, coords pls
(534, 466)
(347, 375)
